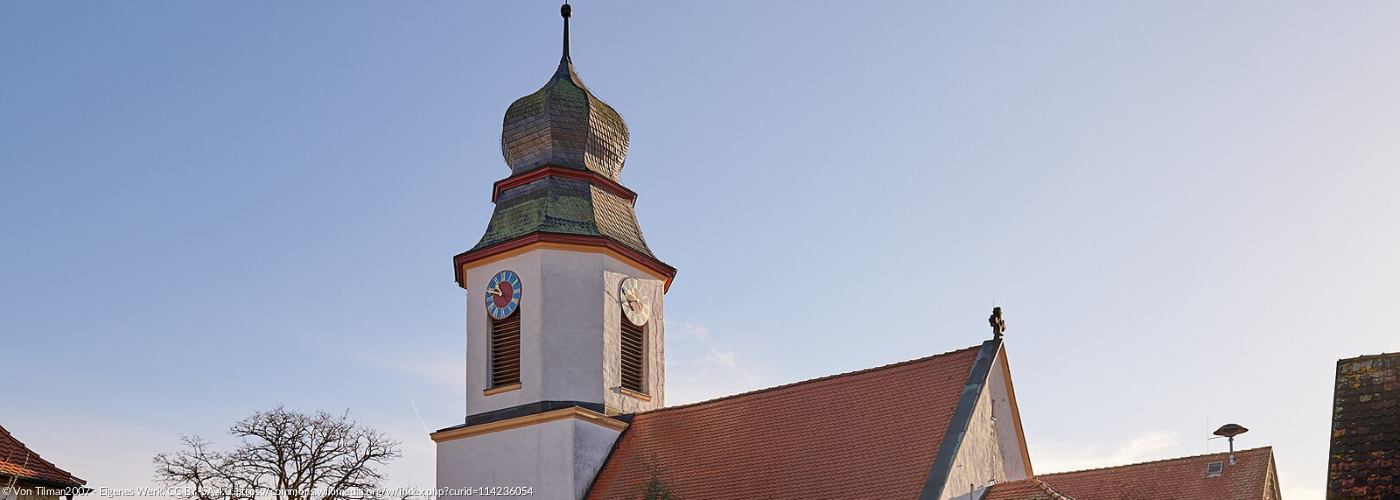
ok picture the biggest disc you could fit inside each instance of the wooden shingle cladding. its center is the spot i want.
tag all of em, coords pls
(1364, 458)
(580, 144)
(505, 350)
(633, 348)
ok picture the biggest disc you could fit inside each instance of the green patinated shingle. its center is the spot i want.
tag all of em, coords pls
(564, 125)
(563, 206)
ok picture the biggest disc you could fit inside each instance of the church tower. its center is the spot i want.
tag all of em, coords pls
(565, 317)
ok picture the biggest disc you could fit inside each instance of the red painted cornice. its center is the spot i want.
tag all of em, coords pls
(604, 183)
(601, 242)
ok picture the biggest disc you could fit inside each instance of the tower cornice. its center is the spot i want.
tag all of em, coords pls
(590, 176)
(574, 412)
(571, 242)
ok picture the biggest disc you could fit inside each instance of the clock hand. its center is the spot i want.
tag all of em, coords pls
(493, 291)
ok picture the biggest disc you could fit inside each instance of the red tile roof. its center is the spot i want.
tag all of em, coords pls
(1025, 489)
(16, 460)
(867, 434)
(1251, 478)
(1364, 460)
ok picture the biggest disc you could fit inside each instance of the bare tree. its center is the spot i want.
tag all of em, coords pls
(283, 455)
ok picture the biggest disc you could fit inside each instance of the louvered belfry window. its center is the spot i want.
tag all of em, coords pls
(632, 356)
(505, 350)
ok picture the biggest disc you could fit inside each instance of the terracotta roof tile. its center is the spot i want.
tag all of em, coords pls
(16, 460)
(1364, 461)
(868, 434)
(1251, 478)
(1025, 489)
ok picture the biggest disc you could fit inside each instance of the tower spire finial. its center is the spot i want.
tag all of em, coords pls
(566, 11)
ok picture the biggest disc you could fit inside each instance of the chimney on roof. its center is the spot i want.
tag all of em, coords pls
(1230, 431)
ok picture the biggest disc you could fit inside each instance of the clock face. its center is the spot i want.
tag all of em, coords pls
(502, 294)
(635, 303)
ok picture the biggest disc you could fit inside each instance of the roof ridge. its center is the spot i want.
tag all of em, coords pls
(810, 381)
(1369, 356)
(1045, 487)
(1164, 460)
(1035, 483)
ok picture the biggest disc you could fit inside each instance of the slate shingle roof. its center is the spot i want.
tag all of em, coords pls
(563, 125)
(1251, 478)
(560, 205)
(16, 460)
(868, 434)
(1364, 461)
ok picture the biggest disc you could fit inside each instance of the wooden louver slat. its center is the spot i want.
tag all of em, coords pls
(632, 356)
(505, 350)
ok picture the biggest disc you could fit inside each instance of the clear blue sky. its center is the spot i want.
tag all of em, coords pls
(1188, 208)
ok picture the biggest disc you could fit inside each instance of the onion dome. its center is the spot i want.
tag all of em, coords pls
(565, 148)
(564, 125)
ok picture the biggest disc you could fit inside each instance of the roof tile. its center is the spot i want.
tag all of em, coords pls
(868, 434)
(16, 460)
(1251, 478)
(1025, 489)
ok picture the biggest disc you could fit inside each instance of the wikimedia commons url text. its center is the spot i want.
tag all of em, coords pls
(10, 492)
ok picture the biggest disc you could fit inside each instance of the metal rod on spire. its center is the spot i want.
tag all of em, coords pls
(566, 11)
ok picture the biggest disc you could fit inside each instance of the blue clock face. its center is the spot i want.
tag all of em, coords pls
(503, 294)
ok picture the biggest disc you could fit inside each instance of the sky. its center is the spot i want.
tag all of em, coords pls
(1186, 208)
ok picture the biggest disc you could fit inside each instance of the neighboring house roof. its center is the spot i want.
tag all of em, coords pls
(1364, 461)
(1025, 489)
(1251, 478)
(868, 434)
(16, 460)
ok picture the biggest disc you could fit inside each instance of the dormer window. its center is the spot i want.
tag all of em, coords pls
(1215, 469)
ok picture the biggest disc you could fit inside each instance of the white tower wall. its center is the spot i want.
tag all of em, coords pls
(570, 336)
(570, 332)
(555, 459)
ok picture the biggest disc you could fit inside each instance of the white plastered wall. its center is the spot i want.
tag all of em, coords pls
(654, 366)
(570, 332)
(990, 451)
(556, 459)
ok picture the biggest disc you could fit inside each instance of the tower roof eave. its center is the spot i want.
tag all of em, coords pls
(600, 244)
